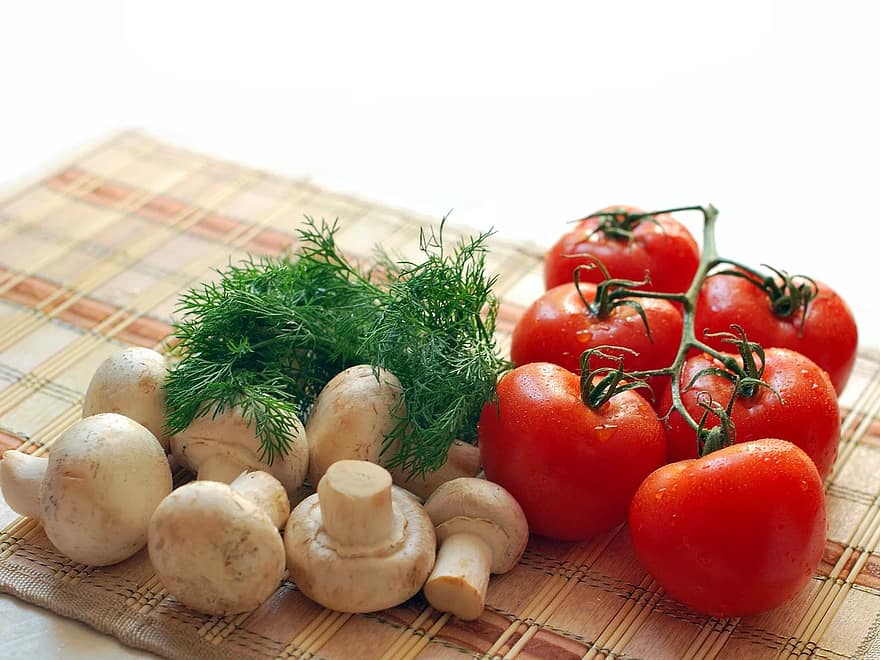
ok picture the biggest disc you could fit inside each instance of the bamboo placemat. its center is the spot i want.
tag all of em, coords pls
(93, 258)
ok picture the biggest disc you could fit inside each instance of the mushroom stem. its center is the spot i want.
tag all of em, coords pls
(20, 478)
(220, 467)
(355, 500)
(266, 492)
(222, 445)
(460, 577)
(481, 529)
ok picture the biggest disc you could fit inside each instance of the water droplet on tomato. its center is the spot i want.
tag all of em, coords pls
(804, 484)
(659, 494)
(583, 336)
(604, 432)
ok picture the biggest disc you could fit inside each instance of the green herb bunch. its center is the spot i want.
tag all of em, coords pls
(270, 333)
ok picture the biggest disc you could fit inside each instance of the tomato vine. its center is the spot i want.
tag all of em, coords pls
(598, 385)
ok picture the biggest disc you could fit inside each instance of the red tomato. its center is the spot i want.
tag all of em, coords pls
(828, 335)
(558, 328)
(809, 416)
(737, 532)
(573, 469)
(665, 248)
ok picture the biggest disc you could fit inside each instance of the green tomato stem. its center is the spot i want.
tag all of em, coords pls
(709, 258)
(614, 292)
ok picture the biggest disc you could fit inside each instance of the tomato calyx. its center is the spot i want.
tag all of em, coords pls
(612, 293)
(747, 380)
(789, 295)
(716, 437)
(598, 385)
(620, 223)
(746, 377)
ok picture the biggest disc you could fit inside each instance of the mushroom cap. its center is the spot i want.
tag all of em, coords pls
(129, 382)
(351, 417)
(462, 460)
(481, 507)
(228, 435)
(105, 477)
(351, 582)
(215, 551)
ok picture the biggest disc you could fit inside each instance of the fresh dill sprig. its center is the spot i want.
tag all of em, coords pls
(270, 333)
(436, 335)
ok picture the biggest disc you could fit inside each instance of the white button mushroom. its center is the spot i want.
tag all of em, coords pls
(352, 416)
(96, 491)
(359, 544)
(129, 382)
(462, 460)
(481, 528)
(220, 447)
(216, 547)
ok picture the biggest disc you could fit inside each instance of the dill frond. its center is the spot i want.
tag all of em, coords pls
(434, 337)
(270, 333)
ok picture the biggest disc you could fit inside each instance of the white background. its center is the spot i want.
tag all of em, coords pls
(517, 116)
(520, 117)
